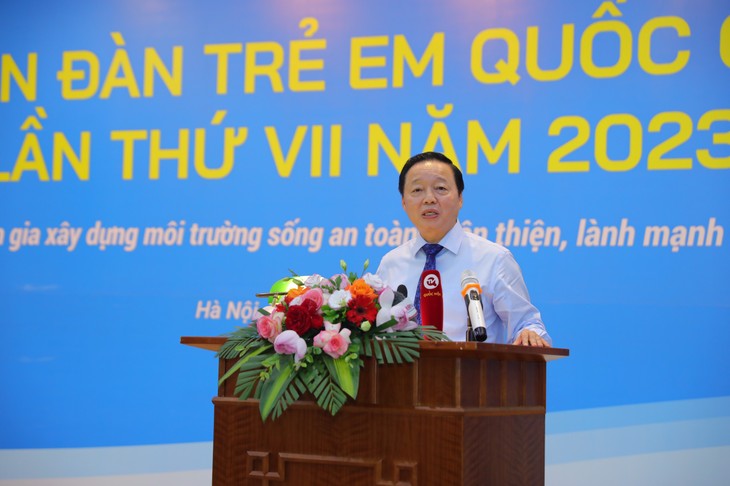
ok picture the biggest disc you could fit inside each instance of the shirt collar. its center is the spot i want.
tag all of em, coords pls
(451, 240)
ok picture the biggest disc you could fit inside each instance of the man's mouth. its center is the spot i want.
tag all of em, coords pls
(430, 213)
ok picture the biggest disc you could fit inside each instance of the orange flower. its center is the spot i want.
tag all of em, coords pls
(294, 293)
(359, 287)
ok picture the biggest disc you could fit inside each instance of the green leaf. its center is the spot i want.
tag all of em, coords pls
(249, 376)
(273, 388)
(277, 381)
(386, 325)
(328, 394)
(243, 361)
(346, 375)
(290, 395)
(378, 352)
(246, 385)
(386, 352)
(393, 347)
(432, 334)
(396, 354)
(238, 342)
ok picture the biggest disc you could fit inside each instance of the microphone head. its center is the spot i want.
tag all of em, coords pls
(469, 281)
(468, 277)
(431, 299)
(472, 293)
(400, 294)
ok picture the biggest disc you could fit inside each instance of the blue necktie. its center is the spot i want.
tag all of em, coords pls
(431, 250)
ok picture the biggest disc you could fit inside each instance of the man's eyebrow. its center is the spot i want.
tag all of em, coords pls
(438, 179)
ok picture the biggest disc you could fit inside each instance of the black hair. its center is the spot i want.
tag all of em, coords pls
(430, 156)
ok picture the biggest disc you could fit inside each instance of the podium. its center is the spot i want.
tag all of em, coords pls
(462, 414)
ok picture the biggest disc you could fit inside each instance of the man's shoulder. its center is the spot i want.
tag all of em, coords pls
(400, 251)
(480, 244)
(395, 262)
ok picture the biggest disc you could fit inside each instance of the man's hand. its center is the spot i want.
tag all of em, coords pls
(531, 338)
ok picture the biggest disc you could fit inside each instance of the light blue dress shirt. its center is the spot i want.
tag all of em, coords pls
(507, 307)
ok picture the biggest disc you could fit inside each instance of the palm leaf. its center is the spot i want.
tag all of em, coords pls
(345, 373)
(433, 334)
(277, 381)
(249, 376)
(290, 395)
(274, 387)
(246, 357)
(242, 335)
(325, 389)
(315, 380)
(393, 347)
(375, 350)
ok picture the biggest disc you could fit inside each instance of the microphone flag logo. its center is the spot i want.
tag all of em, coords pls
(431, 281)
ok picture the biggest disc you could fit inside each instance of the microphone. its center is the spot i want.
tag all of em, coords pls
(472, 293)
(431, 300)
(400, 295)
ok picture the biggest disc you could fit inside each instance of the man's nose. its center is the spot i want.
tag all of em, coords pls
(429, 196)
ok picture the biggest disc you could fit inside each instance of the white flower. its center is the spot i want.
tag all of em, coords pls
(328, 326)
(374, 281)
(403, 312)
(339, 299)
(315, 280)
(344, 282)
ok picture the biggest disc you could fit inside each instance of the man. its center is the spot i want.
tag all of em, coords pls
(431, 188)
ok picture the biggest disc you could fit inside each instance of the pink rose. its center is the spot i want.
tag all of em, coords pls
(332, 342)
(269, 326)
(321, 339)
(289, 342)
(315, 295)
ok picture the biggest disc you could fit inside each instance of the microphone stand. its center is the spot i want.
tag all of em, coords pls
(469, 330)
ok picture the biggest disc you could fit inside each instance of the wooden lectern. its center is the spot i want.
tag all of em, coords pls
(463, 414)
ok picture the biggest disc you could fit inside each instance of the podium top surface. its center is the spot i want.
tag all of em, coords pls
(465, 349)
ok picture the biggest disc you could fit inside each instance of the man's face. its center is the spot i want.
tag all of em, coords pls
(431, 199)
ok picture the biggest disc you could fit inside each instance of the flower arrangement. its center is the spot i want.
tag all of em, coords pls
(314, 338)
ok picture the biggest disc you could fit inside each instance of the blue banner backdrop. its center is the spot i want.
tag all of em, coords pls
(161, 162)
